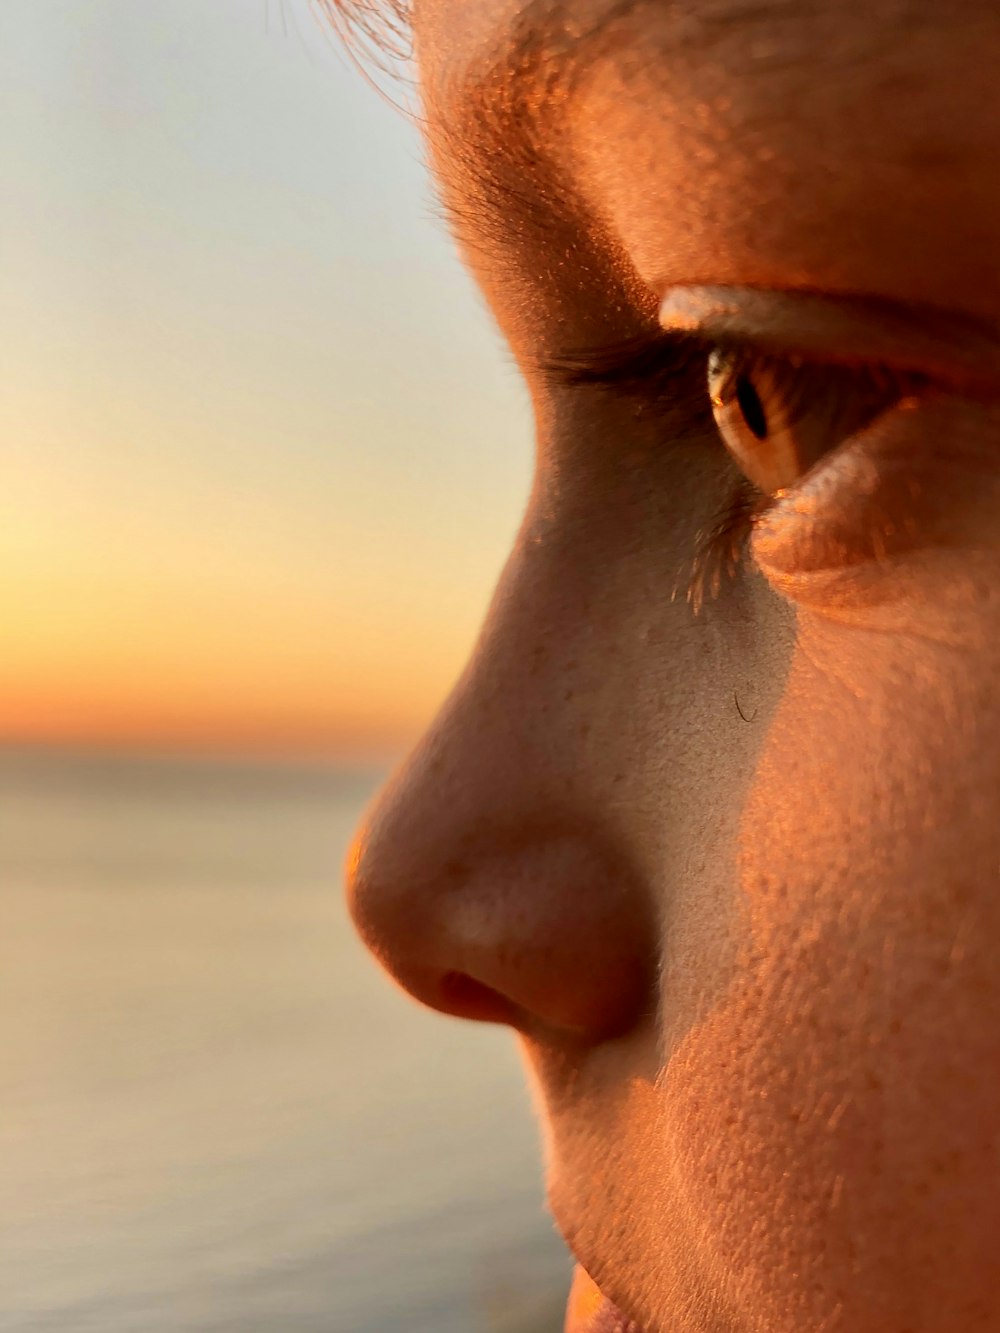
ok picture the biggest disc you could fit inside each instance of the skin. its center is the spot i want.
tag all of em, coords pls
(732, 876)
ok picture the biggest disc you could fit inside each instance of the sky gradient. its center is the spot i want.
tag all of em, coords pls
(263, 451)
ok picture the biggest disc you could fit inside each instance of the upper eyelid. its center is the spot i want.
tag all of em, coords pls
(657, 362)
(949, 348)
(934, 346)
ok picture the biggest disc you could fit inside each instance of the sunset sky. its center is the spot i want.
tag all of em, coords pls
(263, 452)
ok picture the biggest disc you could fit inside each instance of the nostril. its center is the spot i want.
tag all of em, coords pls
(541, 929)
(465, 997)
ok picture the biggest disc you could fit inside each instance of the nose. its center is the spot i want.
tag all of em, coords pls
(488, 880)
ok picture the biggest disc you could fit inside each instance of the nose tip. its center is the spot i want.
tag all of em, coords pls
(530, 922)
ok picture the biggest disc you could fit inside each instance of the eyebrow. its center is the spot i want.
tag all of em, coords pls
(543, 33)
(492, 114)
(509, 94)
(549, 35)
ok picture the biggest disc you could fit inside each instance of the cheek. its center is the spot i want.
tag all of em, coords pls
(833, 1119)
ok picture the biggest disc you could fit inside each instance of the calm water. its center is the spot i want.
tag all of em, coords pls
(215, 1114)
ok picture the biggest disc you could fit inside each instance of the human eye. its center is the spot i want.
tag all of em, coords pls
(780, 416)
(867, 433)
(850, 425)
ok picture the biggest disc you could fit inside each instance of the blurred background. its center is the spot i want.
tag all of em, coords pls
(262, 456)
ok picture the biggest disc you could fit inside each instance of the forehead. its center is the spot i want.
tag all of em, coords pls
(461, 40)
(707, 134)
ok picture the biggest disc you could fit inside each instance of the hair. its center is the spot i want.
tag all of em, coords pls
(377, 31)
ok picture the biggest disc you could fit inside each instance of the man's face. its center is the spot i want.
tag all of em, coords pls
(729, 862)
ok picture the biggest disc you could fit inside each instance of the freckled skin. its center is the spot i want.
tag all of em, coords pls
(753, 965)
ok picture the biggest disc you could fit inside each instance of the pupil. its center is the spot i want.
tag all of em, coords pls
(752, 408)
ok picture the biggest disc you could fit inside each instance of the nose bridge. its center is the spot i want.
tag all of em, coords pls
(485, 879)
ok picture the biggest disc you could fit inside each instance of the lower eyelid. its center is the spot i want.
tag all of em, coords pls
(926, 474)
(723, 545)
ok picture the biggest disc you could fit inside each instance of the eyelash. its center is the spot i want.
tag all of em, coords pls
(649, 363)
(673, 369)
(721, 548)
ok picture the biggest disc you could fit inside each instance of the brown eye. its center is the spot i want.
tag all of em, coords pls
(778, 416)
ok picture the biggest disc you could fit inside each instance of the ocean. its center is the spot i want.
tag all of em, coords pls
(215, 1113)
